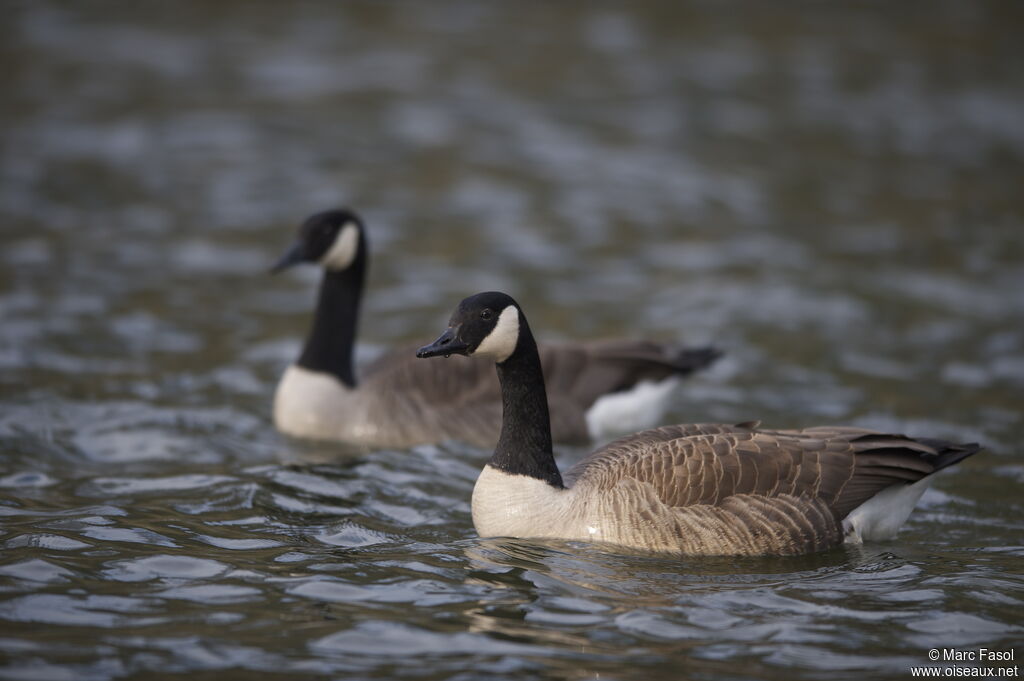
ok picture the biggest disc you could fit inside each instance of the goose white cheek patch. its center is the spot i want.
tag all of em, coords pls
(343, 251)
(501, 342)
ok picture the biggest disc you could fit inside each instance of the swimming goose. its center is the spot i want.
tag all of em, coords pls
(689, 489)
(596, 389)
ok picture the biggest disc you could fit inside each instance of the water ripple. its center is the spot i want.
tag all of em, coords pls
(830, 194)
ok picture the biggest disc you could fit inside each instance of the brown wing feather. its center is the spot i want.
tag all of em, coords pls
(458, 398)
(454, 399)
(710, 462)
(589, 370)
(457, 380)
(788, 490)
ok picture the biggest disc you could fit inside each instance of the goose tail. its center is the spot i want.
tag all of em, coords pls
(948, 453)
(880, 517)
(687, 360)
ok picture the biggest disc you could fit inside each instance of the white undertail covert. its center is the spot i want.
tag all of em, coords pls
(880, 517)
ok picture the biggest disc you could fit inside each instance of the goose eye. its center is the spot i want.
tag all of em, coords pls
(485, 314)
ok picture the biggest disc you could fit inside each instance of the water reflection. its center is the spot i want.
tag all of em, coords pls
(596, 570)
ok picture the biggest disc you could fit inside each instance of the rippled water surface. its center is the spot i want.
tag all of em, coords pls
(833, 195)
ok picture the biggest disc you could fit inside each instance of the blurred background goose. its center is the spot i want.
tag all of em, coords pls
(690, 489)
(595, 389)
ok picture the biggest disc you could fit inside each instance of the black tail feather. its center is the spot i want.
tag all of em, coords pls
(949, 453)
(688, 360)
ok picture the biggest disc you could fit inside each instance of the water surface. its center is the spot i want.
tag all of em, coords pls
(831, 195)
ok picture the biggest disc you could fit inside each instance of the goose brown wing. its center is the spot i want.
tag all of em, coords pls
(580, 372)
(706, 464)
(458, 398)
(453, 399)
(456, 380)
(584, 372)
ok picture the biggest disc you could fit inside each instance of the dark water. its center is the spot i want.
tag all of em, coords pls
(835, 196)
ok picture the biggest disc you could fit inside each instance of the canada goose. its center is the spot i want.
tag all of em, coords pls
(596, 389)
(690, 489)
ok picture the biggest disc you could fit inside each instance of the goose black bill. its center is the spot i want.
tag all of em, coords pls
(447, 344)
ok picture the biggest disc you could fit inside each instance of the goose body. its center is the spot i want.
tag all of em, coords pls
(704, 489)
(597, 389)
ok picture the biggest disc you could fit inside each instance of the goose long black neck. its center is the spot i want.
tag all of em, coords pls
(331, 343)
(524, 446)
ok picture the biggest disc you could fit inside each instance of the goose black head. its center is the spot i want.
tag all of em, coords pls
(334, 239)
(484, 325)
